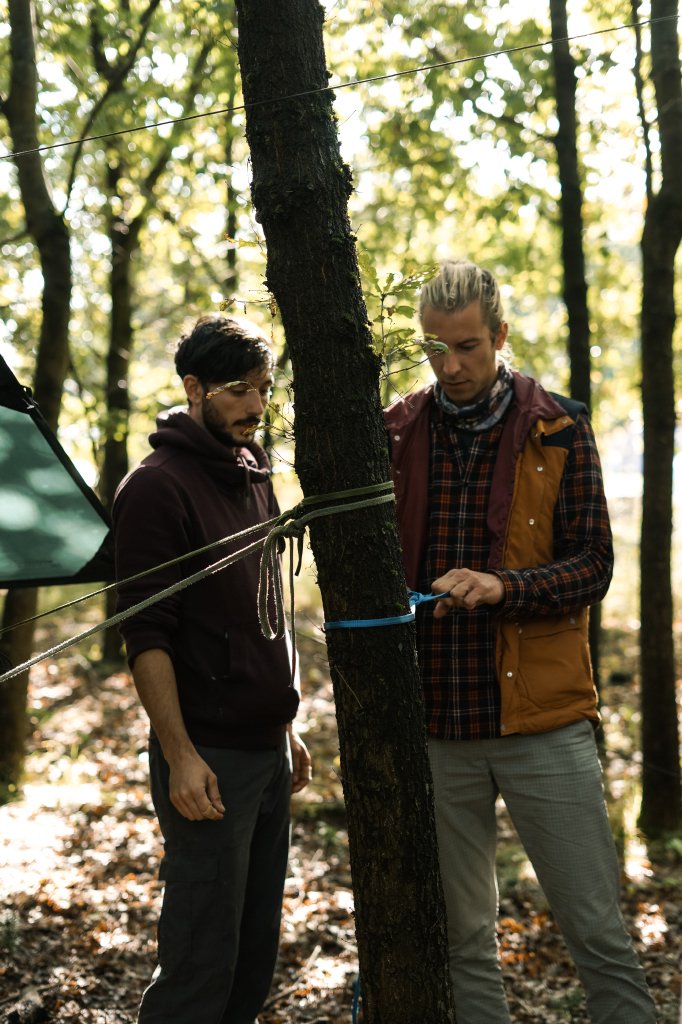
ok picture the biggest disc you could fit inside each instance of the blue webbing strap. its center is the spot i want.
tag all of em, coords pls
(356, 1002)
(414, 598)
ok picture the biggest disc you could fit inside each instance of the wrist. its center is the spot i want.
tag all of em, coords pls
(178, 752)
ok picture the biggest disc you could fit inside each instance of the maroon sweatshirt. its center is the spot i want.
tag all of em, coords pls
(233, 684)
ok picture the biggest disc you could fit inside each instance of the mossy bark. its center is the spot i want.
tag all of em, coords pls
(661, 792)
(300, 190)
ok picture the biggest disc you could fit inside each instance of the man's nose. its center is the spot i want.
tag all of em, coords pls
(255, 403)
(451, 364)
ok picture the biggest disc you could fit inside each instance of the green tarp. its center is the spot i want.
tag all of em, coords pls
(53, 529)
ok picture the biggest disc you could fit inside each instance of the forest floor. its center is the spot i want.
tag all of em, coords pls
(80, 850)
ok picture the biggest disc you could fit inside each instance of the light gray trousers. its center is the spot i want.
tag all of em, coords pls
(551, 784)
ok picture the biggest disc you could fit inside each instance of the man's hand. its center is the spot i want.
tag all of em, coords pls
(467, 589)
(302, 769)
(194, 788)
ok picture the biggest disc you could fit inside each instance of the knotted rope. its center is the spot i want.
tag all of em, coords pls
(275, 543)
(270, 567)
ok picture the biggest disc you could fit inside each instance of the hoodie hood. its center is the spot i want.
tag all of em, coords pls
(230, 468)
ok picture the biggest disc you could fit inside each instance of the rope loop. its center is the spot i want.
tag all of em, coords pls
(293, 526)
(270, 568)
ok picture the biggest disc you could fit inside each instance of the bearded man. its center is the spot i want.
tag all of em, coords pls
(501, 509)
(218, 694)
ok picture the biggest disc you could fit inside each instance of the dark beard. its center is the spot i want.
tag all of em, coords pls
(215, 426)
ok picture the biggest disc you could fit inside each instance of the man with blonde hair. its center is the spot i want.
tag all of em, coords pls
(501, 509)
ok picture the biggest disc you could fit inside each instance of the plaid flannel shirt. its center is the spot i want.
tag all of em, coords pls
(457, 652)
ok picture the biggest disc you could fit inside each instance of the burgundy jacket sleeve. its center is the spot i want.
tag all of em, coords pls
(583, 548)
(151, 527)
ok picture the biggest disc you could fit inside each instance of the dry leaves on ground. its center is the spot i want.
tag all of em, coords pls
(80, 897)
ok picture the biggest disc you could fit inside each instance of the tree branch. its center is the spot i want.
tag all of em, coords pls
(115, 76)
(639, 85)
(14, 238)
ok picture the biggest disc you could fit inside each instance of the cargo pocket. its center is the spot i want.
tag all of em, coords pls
(554, 662)
(190, 918)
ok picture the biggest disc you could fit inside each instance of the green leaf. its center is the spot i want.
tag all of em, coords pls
(365, 264)
(405, 311)
(434, 346)
(415, 280)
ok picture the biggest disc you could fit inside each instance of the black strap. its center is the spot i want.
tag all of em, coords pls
(570, 405)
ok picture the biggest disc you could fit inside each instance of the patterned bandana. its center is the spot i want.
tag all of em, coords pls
(485, 414)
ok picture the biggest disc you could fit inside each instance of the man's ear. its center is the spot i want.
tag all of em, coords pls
(193, 389)
(501, 335)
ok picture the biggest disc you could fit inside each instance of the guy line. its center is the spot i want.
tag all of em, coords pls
(341, 85)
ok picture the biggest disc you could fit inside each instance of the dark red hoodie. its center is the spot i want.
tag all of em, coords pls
(233, 684)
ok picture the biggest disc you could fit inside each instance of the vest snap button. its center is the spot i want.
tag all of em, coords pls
(510, 674)
(520, 630)
(564, 421)
(532, 522)
(540, 468)
(396, 437)
(572, 622)
(502, 728)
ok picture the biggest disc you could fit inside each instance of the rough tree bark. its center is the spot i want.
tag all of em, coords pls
(49, 231)
(572, 251)
(661, 790)
(300, 190)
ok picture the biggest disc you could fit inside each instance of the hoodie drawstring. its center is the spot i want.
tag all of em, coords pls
(247, 471)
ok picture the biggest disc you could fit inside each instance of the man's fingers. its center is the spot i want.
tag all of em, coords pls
(214, 792)
(183, 807)
(301, 767)
(204, 808)
(211, 813)
(195, 806)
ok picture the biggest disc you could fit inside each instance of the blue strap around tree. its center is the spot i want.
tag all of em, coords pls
(356, 1002)
(414, 598)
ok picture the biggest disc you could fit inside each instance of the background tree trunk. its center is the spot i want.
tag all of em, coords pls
(48, 229)
(231, 276)
(661, 792)
(124, 236)
(572, 251)
(300, 190)
(124, 241)
(571, 205)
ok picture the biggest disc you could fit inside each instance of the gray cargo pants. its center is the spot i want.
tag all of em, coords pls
(551, 784)
(219, 926)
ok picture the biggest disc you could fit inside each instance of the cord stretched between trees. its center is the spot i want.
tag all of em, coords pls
(270, 567)
(341, 85)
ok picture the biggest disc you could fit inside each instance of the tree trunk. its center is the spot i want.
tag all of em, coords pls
(124, 241)
(48, 229)
(231, 277)
(572, 252)
(571, 204)
(661, 792)
(19, 605)
(300, 190)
